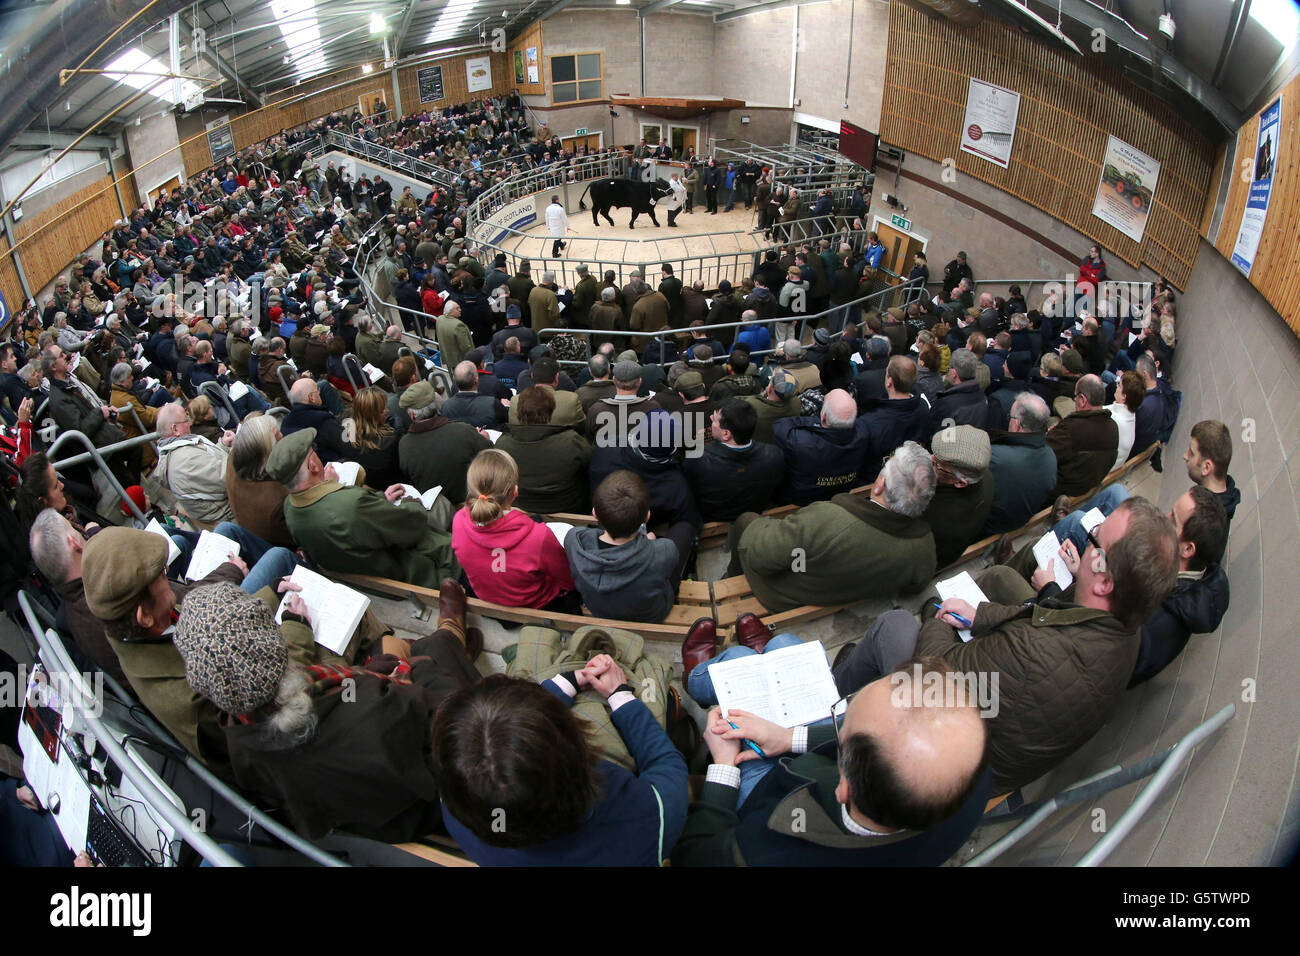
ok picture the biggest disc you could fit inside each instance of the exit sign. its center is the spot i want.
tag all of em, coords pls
(900, 222)
(581, 131)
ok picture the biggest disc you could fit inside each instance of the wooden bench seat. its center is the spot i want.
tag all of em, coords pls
(726, 599)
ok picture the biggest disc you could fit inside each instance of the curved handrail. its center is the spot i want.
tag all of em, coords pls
(97, 456)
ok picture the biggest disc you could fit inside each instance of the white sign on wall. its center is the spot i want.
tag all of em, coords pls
(989, 128)
(1127, 186)
(478, 73)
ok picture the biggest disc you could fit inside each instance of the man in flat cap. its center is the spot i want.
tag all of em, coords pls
(963, 491)
(292, 743)
(352, 529)
(123, 576)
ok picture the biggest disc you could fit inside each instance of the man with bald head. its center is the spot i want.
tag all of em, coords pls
(823, 456)
(306, 411)
(898, 780)
(467, 405)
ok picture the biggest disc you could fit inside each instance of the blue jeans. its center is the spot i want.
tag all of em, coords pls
(1071, 526)
(251, 402)
(266, 565)
(700, 686)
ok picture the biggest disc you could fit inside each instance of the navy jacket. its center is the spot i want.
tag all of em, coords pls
(671, 500)
(1194, 607)
(888, 422)
(820, 462)
(964, 404)
(635, 823)
(330, 445)
(1024, 475)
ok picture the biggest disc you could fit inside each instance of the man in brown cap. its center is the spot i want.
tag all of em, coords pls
(352, 529)
(126, 588)
(360, 767)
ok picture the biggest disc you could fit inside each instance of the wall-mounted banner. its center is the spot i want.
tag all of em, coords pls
(1127, 185)
(519, 66)
(1261, 187)
(990, 125)
(478, 73)
(221, 140)
(531, 57)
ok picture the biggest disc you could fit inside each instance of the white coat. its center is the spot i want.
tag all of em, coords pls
(557, 220)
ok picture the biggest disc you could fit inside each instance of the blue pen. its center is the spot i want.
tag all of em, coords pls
(749, 743)
(960, 619)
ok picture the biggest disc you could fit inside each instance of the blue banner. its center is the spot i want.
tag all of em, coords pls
(1261, 188)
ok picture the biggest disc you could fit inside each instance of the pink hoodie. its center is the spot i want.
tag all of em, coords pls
(530, 570)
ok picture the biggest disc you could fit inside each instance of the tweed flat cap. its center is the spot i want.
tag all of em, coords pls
(1073, 361)
(234, 654)
(627, 371)
(117, 567)
(288, 454)
(964, 447)
(418, 395)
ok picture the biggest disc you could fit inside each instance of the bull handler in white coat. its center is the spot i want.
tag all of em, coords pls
(676, 201)
(557, 223)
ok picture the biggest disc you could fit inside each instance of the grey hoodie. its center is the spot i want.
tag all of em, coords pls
(630, 582)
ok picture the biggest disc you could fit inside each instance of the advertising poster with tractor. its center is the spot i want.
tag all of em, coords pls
(1128, 181)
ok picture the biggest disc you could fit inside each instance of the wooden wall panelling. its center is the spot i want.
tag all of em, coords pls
(9, 284)
(1068, 107)
(71, 225)
(455, 86)
(1277, 261)
(530, 37)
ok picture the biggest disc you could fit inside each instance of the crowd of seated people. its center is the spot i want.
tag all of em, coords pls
(954, 419)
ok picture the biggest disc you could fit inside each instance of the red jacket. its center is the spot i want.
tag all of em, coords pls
(432, 302)
(1088, 272)
(530, 569)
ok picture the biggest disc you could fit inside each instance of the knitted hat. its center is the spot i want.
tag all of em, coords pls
(234, 654)
(512, 312)
(822, 337)
(288, 454)
(136, 494)
(117, 567)
(964, 447)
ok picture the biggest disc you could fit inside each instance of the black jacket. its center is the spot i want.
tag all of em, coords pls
(671, 499)
(964, 404)
(888, 423)
(728, 481)
(1194, 607)
(481, 411)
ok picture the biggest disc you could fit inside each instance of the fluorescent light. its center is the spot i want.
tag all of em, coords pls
(378, 24)
(449, 22)
(134, 62)
(367, 68)
(623, 3)
(1280, 18)
(297, 22)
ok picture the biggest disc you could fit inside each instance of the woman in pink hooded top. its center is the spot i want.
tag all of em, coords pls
(509, 558)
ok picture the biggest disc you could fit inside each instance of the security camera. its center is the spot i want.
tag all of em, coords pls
(1166, 26)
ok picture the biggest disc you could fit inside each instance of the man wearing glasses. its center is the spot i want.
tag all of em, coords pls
(896, 779)
(1061, 665)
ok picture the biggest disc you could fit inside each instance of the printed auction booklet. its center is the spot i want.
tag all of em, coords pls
(790, 687)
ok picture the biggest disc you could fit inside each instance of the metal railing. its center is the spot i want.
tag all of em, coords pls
(96, 455)
(1164, 765)
(392, 158)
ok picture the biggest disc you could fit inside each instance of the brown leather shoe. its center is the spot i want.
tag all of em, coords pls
(700, 645)
(473, 642)
(451, 606)
(1060, 508)
(751, 632)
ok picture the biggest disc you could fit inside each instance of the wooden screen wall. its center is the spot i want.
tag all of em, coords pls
(1277, 261)
(530, 37)
(9, 284)
(1069, 104)
(65, 229)
(455, 84)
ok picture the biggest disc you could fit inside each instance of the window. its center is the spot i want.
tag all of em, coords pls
(576, 78)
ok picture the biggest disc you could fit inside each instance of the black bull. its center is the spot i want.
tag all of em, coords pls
(607, 193)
